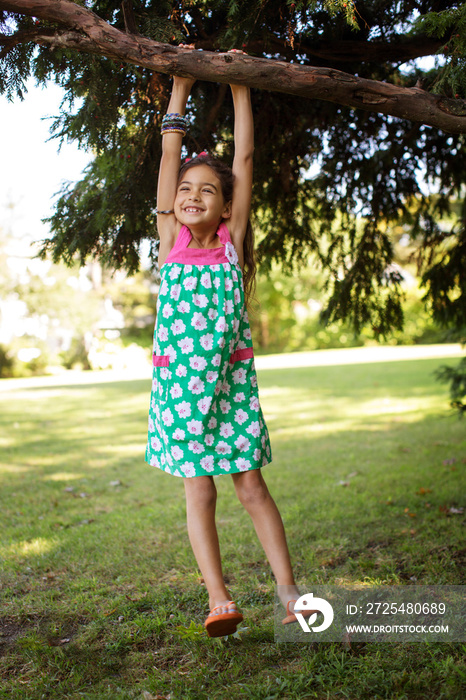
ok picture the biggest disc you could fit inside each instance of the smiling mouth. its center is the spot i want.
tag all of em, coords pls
(193, 210)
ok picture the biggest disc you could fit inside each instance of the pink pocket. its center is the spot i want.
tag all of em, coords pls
(243, 354)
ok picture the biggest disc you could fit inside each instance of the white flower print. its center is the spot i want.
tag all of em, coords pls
(200, 300)
(207, 341)
(162, 333)
(199, 321)
(178, 434)
(216, 360)
(171, 352)
(165, 373)
(195, 427)
(156, 444)
(212, 424)
(226, 430)
(221, 342)
(183, 307)
(242, 443)
(174, 272)
(181, 371)
(237, 296)
(204, 404)
(231, 254)
(225, 387)
(209, 440)
(183, 409)
(154, 461)
(247, 334)
(175, 291)
(211, 377)
(188, 469)
(215, 299)
(243, 464)
(167, 417)
(167, 311)
(228, 307)
(190, 283)
(216, 282)
(257, 455)
(186, 345)
(188, 269)
(177, 452)
(151, 425)
(206, 280)
(254, 380)
(254, 429)
(212, 314)
(240, 396)
(197, 362)
(228, 285)
(240, 416)
(222, 448)
(225, 407)
(196, 385)
(196, 447)
(176, 391)
(254, 403)
(240, 376)
(234, 274)
(207, 463)
(225, 465)
(163, 288)
(177, 327)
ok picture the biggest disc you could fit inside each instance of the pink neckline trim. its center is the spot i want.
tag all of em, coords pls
(180, 252)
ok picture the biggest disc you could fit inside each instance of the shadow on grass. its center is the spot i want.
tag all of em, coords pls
(99, 581)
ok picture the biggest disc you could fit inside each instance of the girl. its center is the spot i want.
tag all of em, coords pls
(205, 418)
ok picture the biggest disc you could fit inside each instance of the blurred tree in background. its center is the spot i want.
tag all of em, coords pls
(331, 181)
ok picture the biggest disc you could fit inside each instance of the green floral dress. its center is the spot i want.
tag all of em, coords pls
(204, 416)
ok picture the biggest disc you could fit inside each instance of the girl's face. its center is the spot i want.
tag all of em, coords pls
(199, 200)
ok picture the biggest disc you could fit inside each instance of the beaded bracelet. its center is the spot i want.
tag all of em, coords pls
(165, 211)
(174, 123)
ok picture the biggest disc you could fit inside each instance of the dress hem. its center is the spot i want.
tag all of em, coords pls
(222, 473)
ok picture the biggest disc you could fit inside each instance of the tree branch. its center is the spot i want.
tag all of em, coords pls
(93, 34)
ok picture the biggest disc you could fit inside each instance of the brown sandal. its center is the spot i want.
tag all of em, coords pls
(291, 617)
(222, 624)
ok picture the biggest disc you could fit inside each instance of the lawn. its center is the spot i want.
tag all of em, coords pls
(100, 595)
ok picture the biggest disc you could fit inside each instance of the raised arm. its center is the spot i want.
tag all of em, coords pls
(242, 165)
(167, 224)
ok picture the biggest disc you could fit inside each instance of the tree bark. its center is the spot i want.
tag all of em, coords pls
(85, 31)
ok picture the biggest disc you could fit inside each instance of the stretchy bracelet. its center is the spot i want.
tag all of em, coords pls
(174, 123)
(165, 211)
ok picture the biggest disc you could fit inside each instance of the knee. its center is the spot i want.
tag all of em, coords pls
(201, 492)
(252, 492)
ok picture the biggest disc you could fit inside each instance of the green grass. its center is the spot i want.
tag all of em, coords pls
(100, 595)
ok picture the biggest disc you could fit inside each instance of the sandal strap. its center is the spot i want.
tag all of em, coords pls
(223, 605)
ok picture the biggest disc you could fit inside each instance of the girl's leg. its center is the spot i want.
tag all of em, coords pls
(254, 495)
(201, 498)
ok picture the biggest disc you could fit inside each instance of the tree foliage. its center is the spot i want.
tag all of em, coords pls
(321, 168)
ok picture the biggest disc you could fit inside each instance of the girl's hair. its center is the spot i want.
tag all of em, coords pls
(226, 177)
